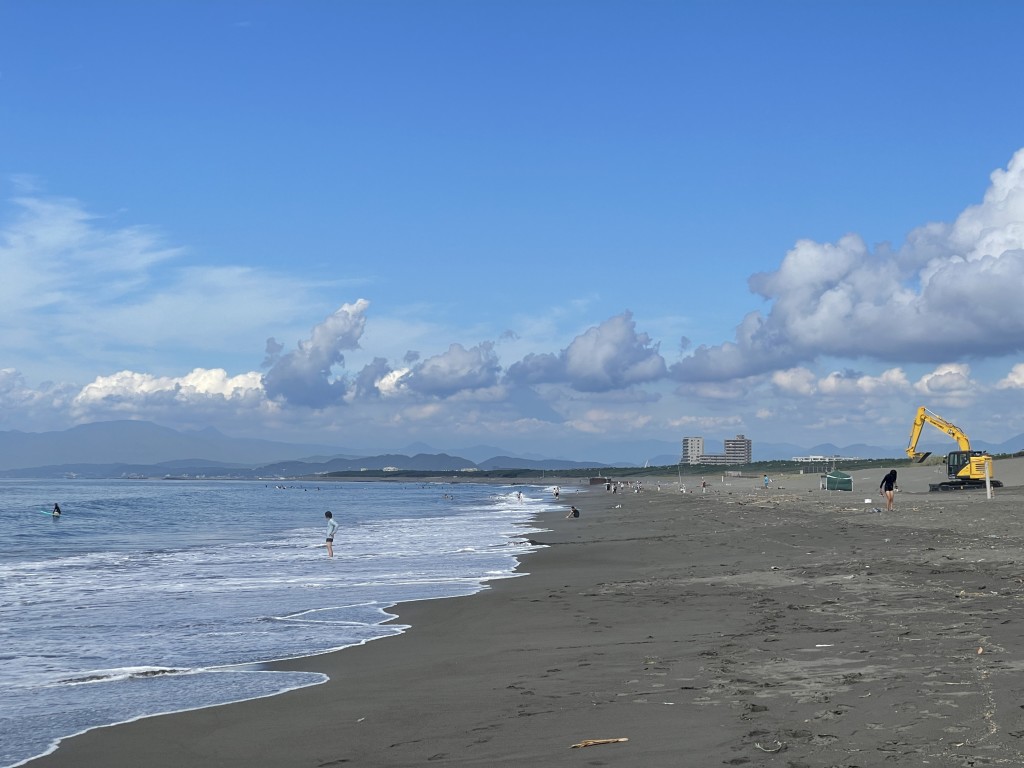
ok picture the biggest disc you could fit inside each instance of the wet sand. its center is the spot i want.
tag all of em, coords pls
(791, 627)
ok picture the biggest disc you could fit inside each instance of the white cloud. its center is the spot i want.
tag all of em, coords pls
(202, 308)
(858, 384)
(82, 291)
(51, 241)
(390, 383)
(198, 398)
(1014, 379)
(951, 380)
(797, 381)
(200, 382)
(132, 392)
(455, 370)
(803, 382)
(612, 355)
(304, 376)
(22, 406)
(950, 291)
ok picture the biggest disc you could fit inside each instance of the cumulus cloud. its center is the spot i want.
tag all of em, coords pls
(803, 382)
(130, 394)
(797, 381)
(854, 383)
(20, 403)
(273, 350)
(455, 370)
(952, 380)
(612, 355)
(1014, 379)
(200, 382)
(304, 376)
(951, 291)
(372, 379)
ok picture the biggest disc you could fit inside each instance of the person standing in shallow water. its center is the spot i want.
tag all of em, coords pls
(888, 489)
(332, 526)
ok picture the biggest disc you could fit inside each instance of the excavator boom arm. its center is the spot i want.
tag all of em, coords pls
(924, 416)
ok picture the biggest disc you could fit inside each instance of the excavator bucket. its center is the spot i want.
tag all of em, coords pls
(919, 457)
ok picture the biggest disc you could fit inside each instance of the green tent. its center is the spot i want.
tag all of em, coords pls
(838, 481)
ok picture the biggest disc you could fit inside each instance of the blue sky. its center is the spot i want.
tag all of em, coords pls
(555, 227)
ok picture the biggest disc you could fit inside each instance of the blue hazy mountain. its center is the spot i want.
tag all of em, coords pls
(140, 442)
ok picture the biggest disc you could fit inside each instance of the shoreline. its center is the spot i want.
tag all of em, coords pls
(787, 627)
(485, 531)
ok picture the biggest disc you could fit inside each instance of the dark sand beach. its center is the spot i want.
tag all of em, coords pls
(790, 627)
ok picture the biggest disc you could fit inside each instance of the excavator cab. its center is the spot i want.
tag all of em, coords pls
(969, 467)
(957, 462)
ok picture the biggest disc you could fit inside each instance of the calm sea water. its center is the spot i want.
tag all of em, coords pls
(158, 596)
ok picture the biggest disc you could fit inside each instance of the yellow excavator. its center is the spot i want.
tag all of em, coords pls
(965, 469)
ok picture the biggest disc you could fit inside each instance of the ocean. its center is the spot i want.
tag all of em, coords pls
(155, 596)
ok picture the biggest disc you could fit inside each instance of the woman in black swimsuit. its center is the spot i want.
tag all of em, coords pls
(888, 488)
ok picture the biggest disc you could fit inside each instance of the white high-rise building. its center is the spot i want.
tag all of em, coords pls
(693, 449)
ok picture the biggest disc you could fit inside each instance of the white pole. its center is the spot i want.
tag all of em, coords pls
(988, 483)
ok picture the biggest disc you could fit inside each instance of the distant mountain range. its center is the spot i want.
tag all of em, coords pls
(139, 448)
(144, 449)
(141, 442)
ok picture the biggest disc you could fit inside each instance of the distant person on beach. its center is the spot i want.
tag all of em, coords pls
(332, 526)
(56, 510)
(887, 488)
(573, 512)
(767, 481)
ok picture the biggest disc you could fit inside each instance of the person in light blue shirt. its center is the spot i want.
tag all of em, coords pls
(332, 526)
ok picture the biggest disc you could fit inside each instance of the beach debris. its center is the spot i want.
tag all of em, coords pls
(775, 746)
(595, 742)
(981, 650)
